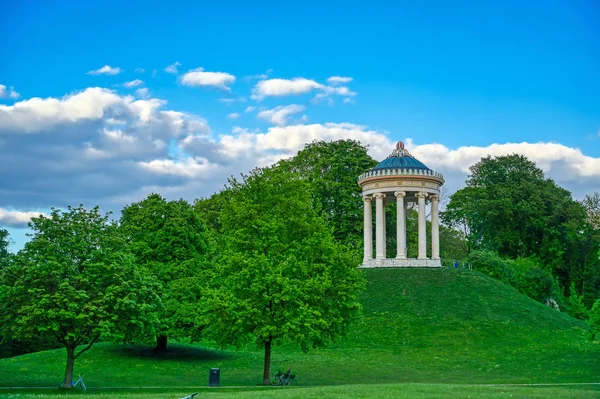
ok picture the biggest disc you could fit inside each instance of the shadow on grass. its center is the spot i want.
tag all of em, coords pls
(173, 353)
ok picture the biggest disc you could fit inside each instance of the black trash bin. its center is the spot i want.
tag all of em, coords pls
(214, 378)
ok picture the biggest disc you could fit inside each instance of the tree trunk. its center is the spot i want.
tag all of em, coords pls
(267, 364)
(70, 363)
(161, 344)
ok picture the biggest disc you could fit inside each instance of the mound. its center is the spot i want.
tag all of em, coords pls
(433, 325)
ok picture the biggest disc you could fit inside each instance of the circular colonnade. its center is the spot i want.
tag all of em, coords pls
(402, 179)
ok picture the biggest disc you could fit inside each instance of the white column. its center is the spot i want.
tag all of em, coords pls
(422, 230)
(400, 225)
(384, 230)
(368, 227)
(435, 228)
(406, 206)
(379, 236)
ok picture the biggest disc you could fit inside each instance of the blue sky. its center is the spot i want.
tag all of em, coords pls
(456, 80)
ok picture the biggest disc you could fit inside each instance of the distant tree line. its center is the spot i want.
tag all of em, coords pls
(272, 258)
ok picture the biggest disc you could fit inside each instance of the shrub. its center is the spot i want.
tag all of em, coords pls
(524, 274)
(576, 307)
(532, 280)
(493, 265)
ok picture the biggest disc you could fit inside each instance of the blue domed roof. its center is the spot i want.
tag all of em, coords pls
(401, 162)
(401, 159)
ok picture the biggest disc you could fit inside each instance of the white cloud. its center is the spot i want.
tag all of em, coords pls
(230, 101)
(173, 68)
(260, 76)
(199, 77)
(13, 218)
(283, 87)
(143, 93)
(106, 70)
(569, 167)
(140, 70)
(233, 115)
(38, 114)
(8, 93)
(547, 156)
(335, 80)
(279, 115)
(99, 147)
(190, 167)
(133, 83)
(90, 147)
(329, 91)
(250, 108)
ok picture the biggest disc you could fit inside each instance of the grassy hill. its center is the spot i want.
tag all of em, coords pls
(452, 326)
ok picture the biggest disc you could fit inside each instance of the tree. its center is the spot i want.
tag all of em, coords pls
(74, 281)
(332, 169)
(589, 249)
(594, 320)
(281, 276)
(509, 207)
(591, 203)
(576, 307)
(168, 238)
(4, 245)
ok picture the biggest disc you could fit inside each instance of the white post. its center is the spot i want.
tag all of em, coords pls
(422, 229)
(368, 227)
(379, 236)
(400, 225)
(435, 228)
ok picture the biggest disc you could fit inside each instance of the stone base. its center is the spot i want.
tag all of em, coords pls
(374, 263)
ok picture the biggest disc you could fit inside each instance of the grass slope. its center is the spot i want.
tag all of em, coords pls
(452, 326)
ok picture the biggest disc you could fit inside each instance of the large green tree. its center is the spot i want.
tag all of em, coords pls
(74, 281)
(281, 276)
(169, 239)
(332, 169)
(508, 206)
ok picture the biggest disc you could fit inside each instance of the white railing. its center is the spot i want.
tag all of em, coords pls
(401, 172)
(374, 263)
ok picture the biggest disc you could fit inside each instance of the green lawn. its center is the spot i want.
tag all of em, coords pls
(418, 326)
(387, 391)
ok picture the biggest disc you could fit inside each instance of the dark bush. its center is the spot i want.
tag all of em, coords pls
(493, 265)
(532, 280)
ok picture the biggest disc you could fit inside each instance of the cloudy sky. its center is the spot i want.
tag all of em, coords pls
(103, 102)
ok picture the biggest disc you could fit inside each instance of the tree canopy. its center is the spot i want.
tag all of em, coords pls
(332, 169)
(169, 239)
(511, 208)
(508, 206)
(73, 281)
(281, 276)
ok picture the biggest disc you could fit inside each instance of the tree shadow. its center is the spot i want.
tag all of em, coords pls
(174, 352)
